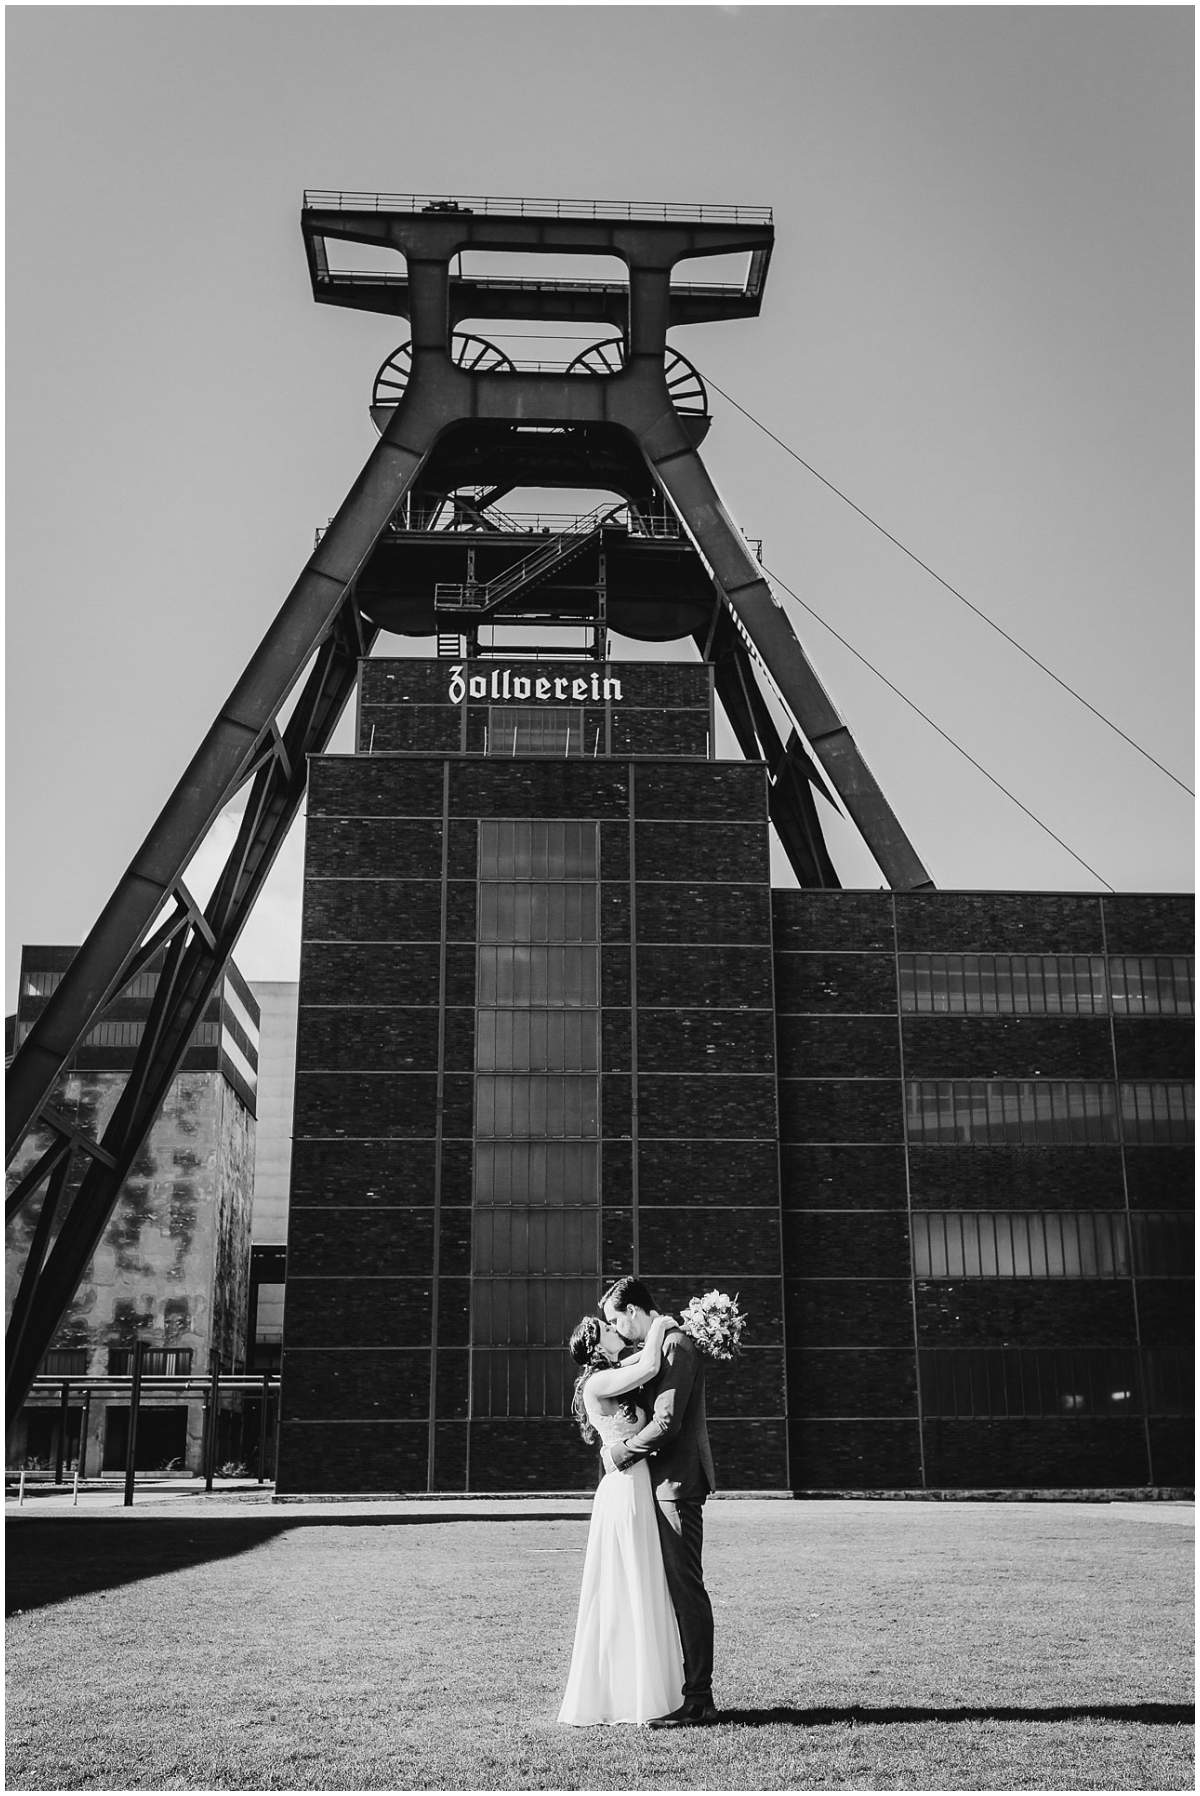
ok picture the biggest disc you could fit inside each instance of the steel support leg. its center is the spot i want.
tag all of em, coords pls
(683, 477)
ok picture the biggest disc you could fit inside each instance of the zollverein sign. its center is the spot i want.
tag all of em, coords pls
(502, 683)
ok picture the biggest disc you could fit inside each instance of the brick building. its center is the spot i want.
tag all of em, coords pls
(555, 1025)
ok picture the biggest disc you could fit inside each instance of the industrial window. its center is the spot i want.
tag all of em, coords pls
(970, 1382)
(535, 730)
(130, 1033)
(536, 911)
(1046, 984)
(1020, 1244)
(1164, 1243)
(1157, 1112)
(39, 983)
(535, 1226)
(548, 1242)
(1000, 1111)
(542, 1107)
(1169, 1381)
(1003, 984)
(536, 1172)
(524, 974)
(157, 1362)
(65, 1362)
(534, 1040)
(1153, 985)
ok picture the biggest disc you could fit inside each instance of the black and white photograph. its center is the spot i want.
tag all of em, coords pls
(599, 976)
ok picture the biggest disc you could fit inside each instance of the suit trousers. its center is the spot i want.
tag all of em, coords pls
(681, 1531)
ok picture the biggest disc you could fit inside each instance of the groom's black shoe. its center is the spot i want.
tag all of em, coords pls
(689, 1714)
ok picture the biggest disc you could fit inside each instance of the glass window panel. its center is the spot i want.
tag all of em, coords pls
(1021, 1244)
(967, 981)
(535, 730)
(535, 912)
(1153, 1112)
(1163, 1244)
(514, 849)
(1068, 1382)
(527, 975)
(1033, 1111)
(989, 1001)
(1044, 984)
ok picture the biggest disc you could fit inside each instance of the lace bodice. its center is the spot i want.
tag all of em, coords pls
(616, 1427)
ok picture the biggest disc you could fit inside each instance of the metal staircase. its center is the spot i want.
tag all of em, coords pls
(476, 601)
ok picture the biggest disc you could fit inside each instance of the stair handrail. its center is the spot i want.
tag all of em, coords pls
(578, 533)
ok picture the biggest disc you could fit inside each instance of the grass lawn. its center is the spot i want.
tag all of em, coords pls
(864, 1646)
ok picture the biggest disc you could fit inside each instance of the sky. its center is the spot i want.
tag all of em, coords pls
(977, 325)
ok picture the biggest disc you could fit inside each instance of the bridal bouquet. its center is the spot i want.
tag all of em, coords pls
(715, 1323)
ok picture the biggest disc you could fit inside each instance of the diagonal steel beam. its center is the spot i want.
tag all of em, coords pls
(197, 958)
(679, 471)
(791, 774)
(224, 761)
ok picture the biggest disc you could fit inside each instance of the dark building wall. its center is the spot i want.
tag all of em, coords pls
(1012, 1380)
(377, 1350)
(957, 1222)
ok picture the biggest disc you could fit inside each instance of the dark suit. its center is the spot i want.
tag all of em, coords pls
(675, 1441)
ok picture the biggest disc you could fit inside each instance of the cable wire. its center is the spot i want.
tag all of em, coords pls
(783, 587)
(953, 590)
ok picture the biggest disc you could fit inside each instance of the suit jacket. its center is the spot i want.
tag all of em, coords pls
(675, 1436)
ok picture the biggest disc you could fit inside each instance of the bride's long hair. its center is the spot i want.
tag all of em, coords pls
(586, 1352)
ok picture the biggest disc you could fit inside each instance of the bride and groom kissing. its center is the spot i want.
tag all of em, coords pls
(644, 1635)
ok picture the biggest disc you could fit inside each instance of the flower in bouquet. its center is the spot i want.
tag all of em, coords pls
(715, 1323)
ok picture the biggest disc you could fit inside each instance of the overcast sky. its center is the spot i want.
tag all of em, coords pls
(978, 324)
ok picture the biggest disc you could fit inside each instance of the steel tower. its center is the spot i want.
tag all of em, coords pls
(421, 546)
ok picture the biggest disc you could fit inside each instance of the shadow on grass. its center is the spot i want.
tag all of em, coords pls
(1152, 1713)
(51, 1559)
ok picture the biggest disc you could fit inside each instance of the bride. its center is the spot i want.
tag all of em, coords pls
(627, 1664)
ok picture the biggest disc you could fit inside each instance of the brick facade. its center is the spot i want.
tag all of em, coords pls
(756, 1075)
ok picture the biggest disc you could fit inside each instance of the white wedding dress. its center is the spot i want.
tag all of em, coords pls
(627, 1664)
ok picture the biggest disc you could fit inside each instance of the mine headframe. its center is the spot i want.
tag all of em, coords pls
(422, 545)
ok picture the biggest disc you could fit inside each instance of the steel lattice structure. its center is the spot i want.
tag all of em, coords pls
(460, 426)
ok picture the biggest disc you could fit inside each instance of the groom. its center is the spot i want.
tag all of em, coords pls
(675, 1440)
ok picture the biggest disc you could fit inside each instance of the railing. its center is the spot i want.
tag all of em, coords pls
(387, 277)
(631, 211)
(134, 1388)
(656, 528)
(547, 556)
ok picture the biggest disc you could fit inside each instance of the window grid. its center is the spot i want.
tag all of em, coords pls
(1046, 984)
(128, 1035)
(535, 1223)
(1020, 1244)
(1156, 1112)
(1164, 1243)
(156, 1362)
(534, 1041)
(535, 730)
(1153, 985)
(962, 1383)
(524, 974)
(997, 1112)
(1008, 1111)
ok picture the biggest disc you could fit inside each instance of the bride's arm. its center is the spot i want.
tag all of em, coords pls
(634, 1372)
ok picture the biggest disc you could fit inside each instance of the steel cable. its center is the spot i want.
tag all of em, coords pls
(953, 590)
